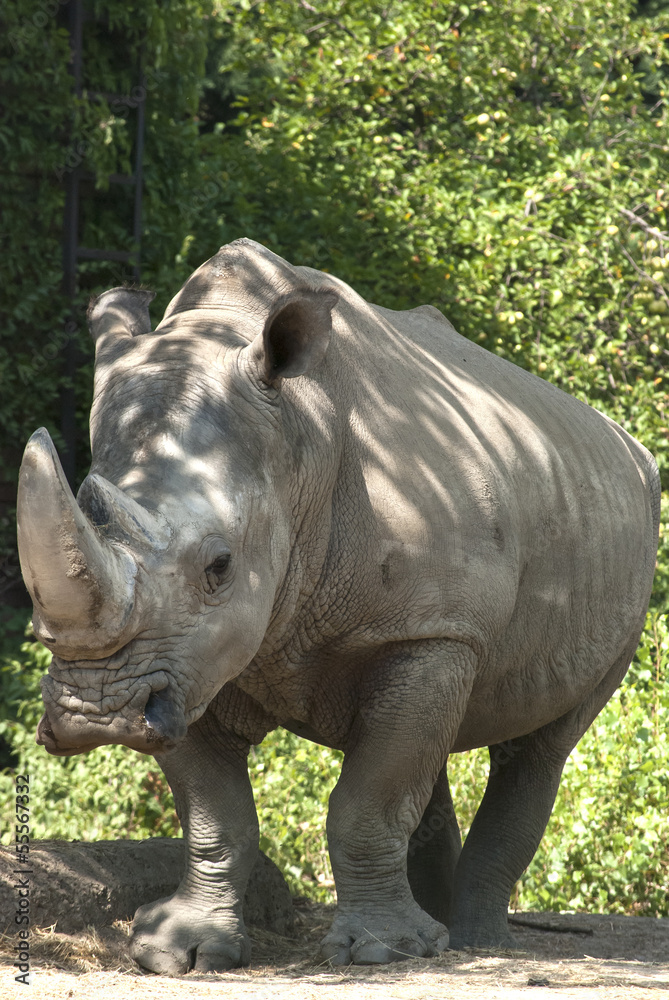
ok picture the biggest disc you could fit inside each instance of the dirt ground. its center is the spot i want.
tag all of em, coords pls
(577, 956)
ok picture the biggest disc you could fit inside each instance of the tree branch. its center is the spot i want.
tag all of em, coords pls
(331, 20)
(653, 230)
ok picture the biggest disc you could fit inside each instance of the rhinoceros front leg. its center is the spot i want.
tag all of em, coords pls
(201, 925)
(411, 705)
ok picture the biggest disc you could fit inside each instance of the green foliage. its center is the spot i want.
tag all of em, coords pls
(46, 133)
(292, 780)
(36, 110)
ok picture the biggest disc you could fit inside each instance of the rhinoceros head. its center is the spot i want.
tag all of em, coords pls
(156, 585)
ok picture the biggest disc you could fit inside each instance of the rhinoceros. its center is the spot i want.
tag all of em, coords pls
(310, 512)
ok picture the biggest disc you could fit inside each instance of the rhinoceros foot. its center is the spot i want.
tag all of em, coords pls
(173, 935)
(376, 939)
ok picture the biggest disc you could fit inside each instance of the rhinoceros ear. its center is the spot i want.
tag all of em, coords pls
(296, 334)
(120, 312)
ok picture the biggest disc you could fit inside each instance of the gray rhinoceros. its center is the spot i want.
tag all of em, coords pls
(308, 511)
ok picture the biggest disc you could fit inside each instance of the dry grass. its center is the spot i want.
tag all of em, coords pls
(95, 950)
(95, 965)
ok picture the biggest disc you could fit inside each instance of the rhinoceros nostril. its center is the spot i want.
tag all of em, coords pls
(164, 719)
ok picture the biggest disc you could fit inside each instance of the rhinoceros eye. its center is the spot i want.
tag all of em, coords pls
(216, 572)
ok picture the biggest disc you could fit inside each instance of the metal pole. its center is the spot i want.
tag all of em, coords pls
(68, 422)
(139, 157)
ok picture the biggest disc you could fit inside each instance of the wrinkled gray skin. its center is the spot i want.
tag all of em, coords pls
(311, 512)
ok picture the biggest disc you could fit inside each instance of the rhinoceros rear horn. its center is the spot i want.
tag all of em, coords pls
(296, 334)
(82, 585)
(118, 517)
(120, 312)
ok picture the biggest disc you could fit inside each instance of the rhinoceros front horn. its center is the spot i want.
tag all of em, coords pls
(81, 583)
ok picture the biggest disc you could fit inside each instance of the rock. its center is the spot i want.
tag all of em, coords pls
(74, 884)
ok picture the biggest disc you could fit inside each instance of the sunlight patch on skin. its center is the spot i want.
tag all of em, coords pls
(392, 504)
(167, 446)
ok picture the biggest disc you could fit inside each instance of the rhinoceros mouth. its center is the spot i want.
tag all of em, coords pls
(144, 712)
(45, 738)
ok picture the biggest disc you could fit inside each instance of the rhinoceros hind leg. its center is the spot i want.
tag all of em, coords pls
(434, 849)
(510, 822)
